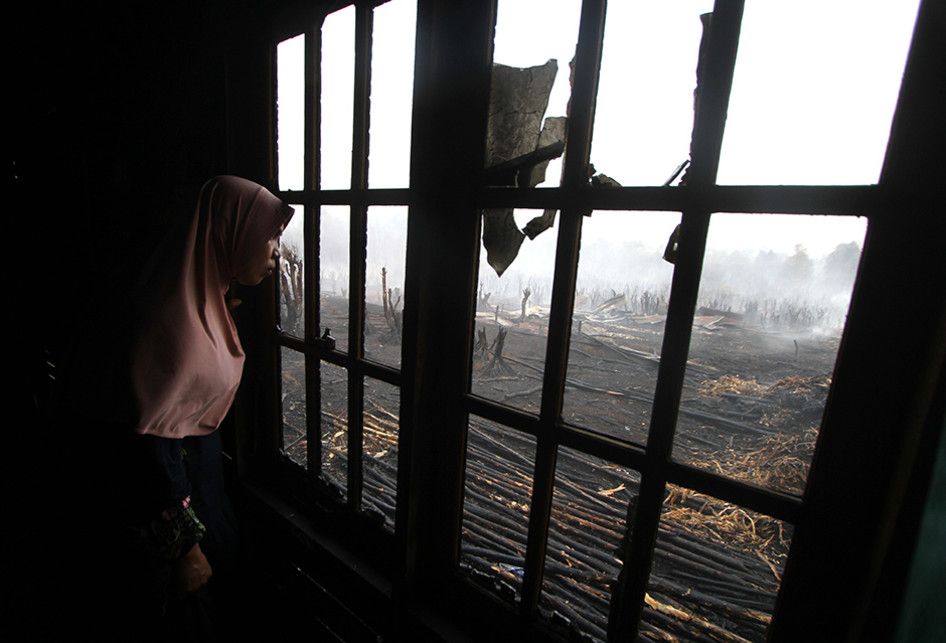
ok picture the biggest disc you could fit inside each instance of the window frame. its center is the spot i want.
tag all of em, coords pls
(358, 199)
(444, 28)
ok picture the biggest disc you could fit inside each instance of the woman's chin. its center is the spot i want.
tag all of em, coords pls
(245, 281)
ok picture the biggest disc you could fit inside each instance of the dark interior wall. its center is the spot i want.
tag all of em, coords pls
(113, 120)
(117, 119)
(115, 116)
(921, 618)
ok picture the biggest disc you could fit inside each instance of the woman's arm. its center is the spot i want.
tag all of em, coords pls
(174, 529)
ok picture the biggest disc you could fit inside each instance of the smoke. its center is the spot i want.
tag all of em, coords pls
(622, 253)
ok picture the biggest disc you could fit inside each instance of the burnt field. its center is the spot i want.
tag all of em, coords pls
(753, 396)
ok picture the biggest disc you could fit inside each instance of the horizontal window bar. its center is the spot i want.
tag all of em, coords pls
(778, 505)
(289, 341)
(503, 414)
(860, 200)
(381, 372)
(314, 198)
(333, 356)
(329, 355)
(602, 446)
(339, 358)
(772, 503)
(850, 200)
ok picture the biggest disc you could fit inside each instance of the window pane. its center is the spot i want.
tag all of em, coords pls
(293, 405)
(530, 88)
(771, 307)
(384, 283)
(392, 83)
(589, 511)
(500, 463)
(292, 276)
(512, 314)
(716, 572)
(382, 409)
(618, 322)
(290, 111)
(338, 90)
(814, 91)
(335, 425)
(644, 112)
(333, 272)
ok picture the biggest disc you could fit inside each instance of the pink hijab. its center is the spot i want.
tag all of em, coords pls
(186, 362)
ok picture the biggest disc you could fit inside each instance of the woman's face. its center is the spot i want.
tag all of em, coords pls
(262, 263)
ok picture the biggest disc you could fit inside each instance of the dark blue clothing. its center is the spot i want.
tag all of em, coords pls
(113, 484)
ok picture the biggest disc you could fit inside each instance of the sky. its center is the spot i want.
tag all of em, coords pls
(815, 86)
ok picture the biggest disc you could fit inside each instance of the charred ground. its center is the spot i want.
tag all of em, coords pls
(752, 402)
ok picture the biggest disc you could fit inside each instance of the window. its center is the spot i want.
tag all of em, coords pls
(342, 269)
(605, 428)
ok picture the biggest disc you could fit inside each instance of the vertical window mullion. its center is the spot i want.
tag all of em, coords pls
(310, 249)
(357, 255)
(644, 515)
(273, 439)
(312, 155)
(272, 148)
(364, 16)
(578, 145)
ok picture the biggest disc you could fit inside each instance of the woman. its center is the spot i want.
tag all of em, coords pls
(149, 455)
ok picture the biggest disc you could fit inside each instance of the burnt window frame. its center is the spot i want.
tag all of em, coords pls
(306, 484)
(696, 201)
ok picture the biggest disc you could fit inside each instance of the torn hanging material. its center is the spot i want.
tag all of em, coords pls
(518, 150)
(501, 238)
(540, 223)
(554, 130)
(518, 99)
(673, 243)
(552, 136)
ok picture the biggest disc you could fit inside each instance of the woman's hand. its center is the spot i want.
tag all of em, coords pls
(193, 570)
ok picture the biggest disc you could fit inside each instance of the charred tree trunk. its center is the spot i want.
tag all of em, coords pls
(290, 278)
(390, 300)
(482, 344)
(498, 364)
(483, 299)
